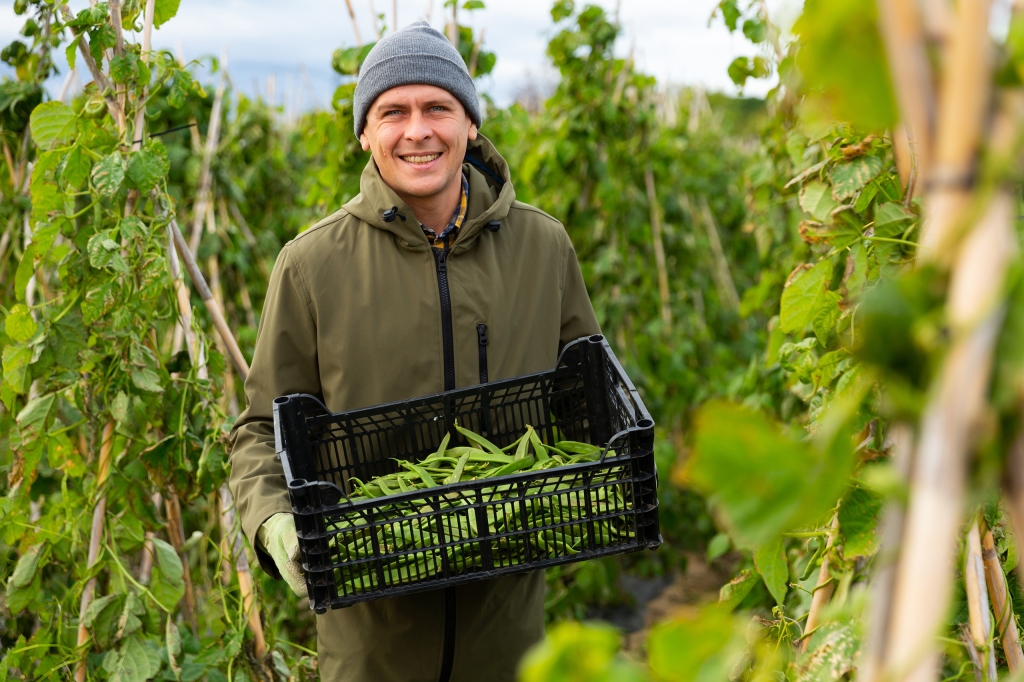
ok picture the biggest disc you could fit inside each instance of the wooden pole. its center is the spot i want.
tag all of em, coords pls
(659, 248)
(211, 305)
(963, 102)
(979, 616)
(95, 539)
(911, 73)
(890, 533)
(823, 591)
(999, 598)
(230, 532)
(355, 26)
(205, 175)
(176, 534)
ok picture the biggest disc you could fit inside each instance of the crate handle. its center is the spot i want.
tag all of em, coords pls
(641, 425)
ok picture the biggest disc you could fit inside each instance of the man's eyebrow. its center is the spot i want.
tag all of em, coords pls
(387, 106)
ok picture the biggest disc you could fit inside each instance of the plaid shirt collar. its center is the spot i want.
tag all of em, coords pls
(451, 232)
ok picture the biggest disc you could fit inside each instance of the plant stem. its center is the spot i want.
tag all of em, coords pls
(980, 617)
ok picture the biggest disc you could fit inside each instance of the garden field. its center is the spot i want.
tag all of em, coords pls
(817, 295)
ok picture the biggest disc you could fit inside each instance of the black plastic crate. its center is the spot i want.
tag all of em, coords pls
(363, 550)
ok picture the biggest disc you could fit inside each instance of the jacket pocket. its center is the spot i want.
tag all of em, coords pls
(481, 340)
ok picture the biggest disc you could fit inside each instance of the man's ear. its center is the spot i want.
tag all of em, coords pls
(472, 131)
(365, 141)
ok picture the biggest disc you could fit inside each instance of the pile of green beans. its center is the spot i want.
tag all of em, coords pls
(412, 543)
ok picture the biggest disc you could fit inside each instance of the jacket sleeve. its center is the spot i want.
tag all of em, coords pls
(578, 318)
(285, 361)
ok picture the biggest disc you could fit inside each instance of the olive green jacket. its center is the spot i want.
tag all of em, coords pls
(353, 314)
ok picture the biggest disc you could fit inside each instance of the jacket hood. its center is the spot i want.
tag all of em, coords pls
(490, 198)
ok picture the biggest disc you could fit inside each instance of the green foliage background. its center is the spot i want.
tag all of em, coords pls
(758, 348)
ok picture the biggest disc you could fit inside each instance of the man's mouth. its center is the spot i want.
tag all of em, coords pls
(420, 159)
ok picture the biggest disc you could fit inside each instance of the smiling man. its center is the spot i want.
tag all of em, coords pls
(433, 278)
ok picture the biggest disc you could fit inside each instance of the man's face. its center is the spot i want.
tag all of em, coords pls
(418, 136)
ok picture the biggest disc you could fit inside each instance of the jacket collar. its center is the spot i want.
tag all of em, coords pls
(488, 200)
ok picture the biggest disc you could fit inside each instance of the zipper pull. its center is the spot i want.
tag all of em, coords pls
(442, 260)
(481, 334)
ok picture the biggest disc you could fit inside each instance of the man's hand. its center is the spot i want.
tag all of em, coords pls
(277, 535)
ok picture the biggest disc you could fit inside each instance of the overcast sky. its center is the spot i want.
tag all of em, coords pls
(294, 40)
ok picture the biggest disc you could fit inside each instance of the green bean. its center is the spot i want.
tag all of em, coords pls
(459, 468)
(524, 443)
(479, 440)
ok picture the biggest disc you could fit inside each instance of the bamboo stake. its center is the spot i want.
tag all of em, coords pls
(659, 248)
(138, 128)
(430, 8)
(999, 597)
(211, 305)
(475, 54)
(980, 618)
(176, 534)
(355, 26)
(890, 532)
(95, 540)
(394, 15)
(723, 276)
(912, 78)
(376, 22)
(230, 532)
(924, 575)
(963, 102)
(205, 175)
(822, 594)
(102, 82)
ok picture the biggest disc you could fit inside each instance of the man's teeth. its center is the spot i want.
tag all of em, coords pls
(421, 159)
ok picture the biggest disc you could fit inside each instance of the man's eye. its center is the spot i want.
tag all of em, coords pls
(392, 112)
(438, 107)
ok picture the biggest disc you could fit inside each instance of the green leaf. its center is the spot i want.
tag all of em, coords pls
(696, 646)
(825, 316)
(892, 220)
(16, 359)
(133, 662)
(578, 651)
(19, 598)
(816, 199)
(124, 68)
(76, 168)
(71, 51)
(52, 122)
(803, 296)
(850, 177)
(130, 621)
(98, 302)
(831, 653)
(736, 590)
(96, 609)
(108, 174)
(102, 249)
(770, 561)
(164, 11)
(756, 30)
(32, 418)
(761, 481)
(132, 228)
(147, 380)
(718, 546)
(67, 338)
(730, 13)
(843, 64)
(473, 4)
(25, 569)
(20, 325)
(858, 519)
(147, 167)
(169, 562)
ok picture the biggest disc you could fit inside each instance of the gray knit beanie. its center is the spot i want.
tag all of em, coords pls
(417, 54)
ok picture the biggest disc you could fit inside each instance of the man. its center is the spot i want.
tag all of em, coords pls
(431, 279)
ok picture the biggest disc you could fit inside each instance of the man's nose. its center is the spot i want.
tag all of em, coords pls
(417, 128)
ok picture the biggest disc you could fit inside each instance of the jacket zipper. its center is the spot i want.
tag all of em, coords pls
(481, 337)
(448, 343)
